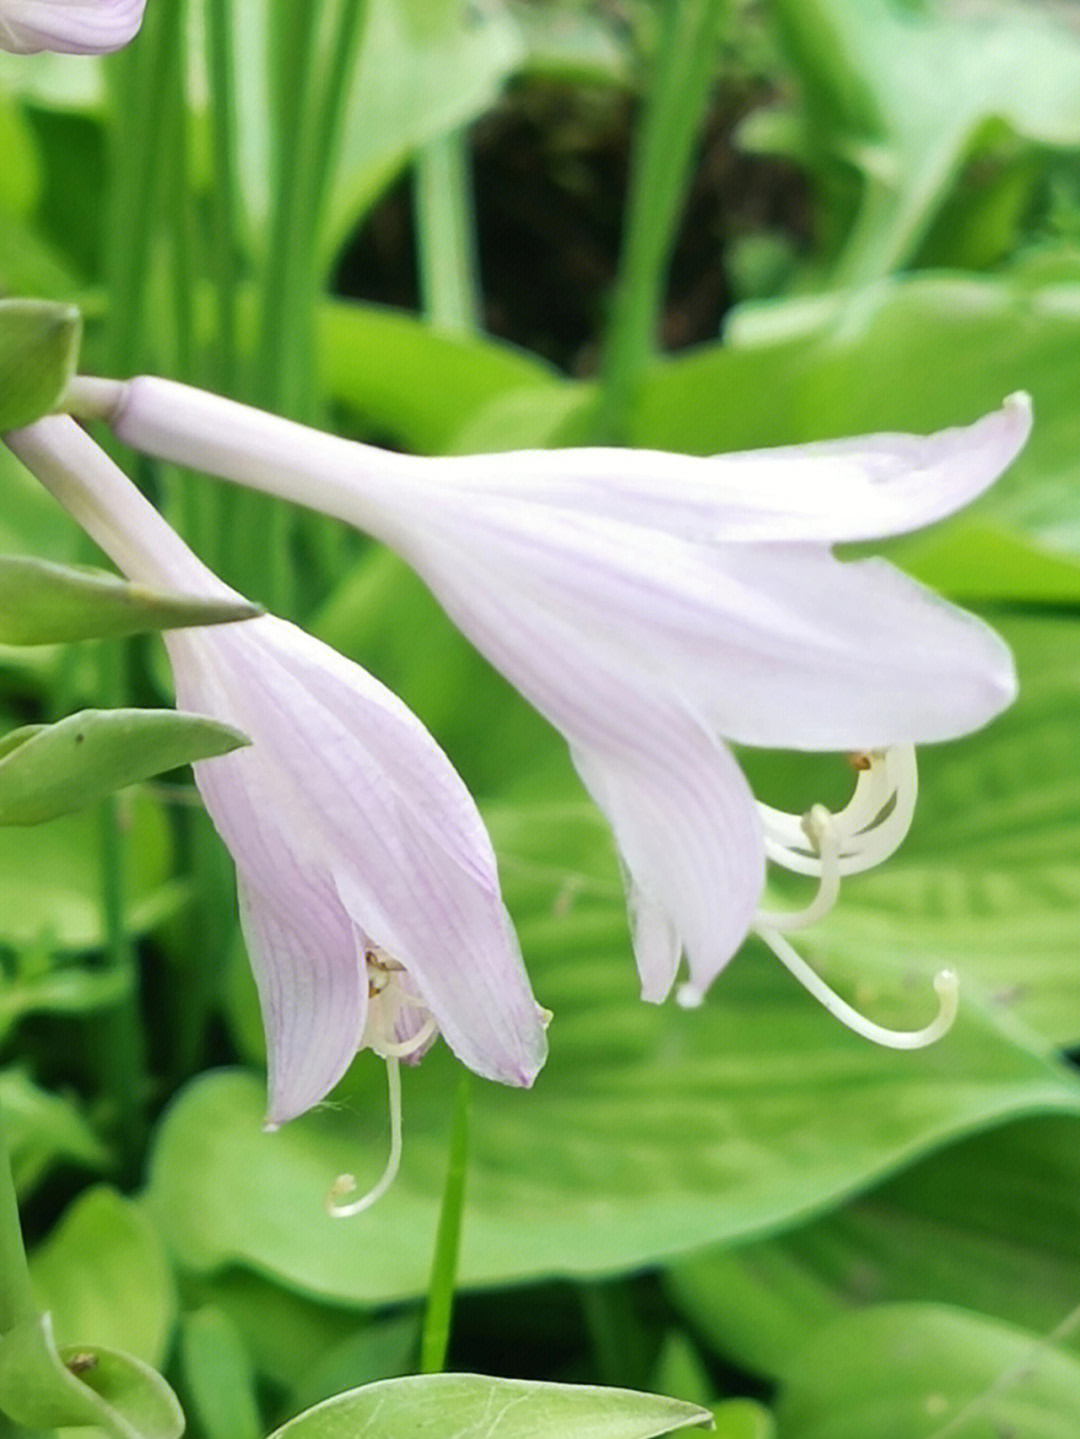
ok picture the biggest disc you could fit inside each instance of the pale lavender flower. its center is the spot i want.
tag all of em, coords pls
(369, 895)
(77, 27)
(654, 605)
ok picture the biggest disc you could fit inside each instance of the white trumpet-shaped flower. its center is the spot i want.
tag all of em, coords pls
(368, 888)
(77, 27)
(653, 606)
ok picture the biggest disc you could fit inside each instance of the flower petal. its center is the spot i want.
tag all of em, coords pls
(376, 809)
(313, 1004)
(832, 491)
(79, 27)
(681, 810)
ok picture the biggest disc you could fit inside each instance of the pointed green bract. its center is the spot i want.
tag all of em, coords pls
(51, 770)
(460, 1406)
(45, 603)
(39, 345)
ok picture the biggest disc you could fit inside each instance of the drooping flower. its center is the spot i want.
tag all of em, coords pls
(653, 606)
(74, 27)
(369, 896)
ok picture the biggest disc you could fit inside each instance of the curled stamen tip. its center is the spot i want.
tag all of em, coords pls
(344, 1184)
(947, 989)
(816, 824)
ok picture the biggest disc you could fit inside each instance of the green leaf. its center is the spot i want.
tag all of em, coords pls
(39, 345)
(457, 59)
(46, 603)
(46, 1388)
(50, 879)
(911, 355)
(663, 1130)
(907, 93)
(743, 1419)
(43, 1129)
(454, 1406)
(219, 1378)
(909, 1371)
(102, 1273)
(460, 373)
(990, 1224)
(47, 771)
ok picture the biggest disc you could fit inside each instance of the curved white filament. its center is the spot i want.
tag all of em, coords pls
(872, 825)
(823, 831)
(946, 986)
(346, 1183)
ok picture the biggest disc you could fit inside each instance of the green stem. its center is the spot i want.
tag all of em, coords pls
(225, 221)
(660, 173)
(435, 1335)
(16, 1299)
(142, 76)
(446, 240)
(329, 115)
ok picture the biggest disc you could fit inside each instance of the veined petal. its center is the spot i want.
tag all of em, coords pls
(830, 491)
(690, 839)
(376, 811)
(80, 27)
(313, 997)
(361, 856)
(776, 645)
(683, 816)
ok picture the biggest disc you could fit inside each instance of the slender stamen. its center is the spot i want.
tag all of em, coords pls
(346, 1183)
(946, 986)
(823, 832)
(406, 1048)
(872, 825)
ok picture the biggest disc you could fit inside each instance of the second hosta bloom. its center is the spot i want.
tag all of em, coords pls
(653, 606)
(368, 888)
(79, 27)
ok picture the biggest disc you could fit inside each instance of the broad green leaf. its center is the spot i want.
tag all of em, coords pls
(905, 92)
(911, 1371)
(458, 1406)
(103, 1276)
(990, 1224)
(44, 1387)
(916, 355)
(457, 59)
(50, 878)
(39, 345)
(651, 1132)
(219, 1378)
(380, 1348)
(46, 603)
(59, 768)
(43, 1129)
(292, 1340)
(407, 381)
(742, 1419)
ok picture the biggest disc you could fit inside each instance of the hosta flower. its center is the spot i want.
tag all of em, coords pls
(653, 606)
(79, 27)
(368, 890)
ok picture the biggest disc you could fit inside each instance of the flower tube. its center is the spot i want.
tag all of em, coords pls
(369, 896)
(76, 27)
(652, 606)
